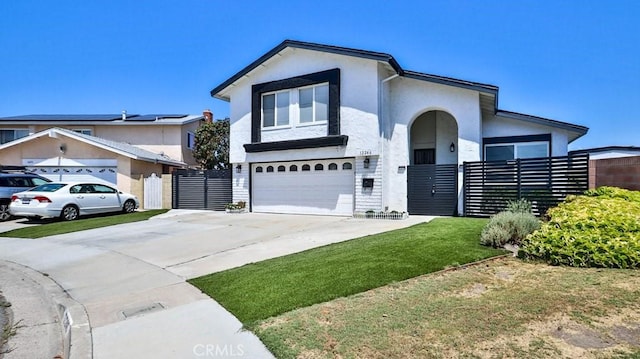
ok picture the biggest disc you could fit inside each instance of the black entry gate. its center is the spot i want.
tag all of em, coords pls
(194, 189)
(432, 189)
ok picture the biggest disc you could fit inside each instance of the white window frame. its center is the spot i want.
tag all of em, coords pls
(515, 147)
(14, 133)
(294, 108)
(313, 107)
(275, 110)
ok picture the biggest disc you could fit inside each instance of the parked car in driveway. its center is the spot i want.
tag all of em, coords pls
(13, 179)
(71, 200)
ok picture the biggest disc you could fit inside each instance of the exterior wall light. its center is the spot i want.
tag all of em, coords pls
(365, 163)
(452, 148)
(239, 169)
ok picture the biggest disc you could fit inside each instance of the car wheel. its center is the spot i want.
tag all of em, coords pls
(4, 212)
(69, 213)
(129, 206)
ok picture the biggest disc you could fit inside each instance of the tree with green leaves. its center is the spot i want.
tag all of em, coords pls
(211, 148)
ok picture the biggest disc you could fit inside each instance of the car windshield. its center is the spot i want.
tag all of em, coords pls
(48, 187)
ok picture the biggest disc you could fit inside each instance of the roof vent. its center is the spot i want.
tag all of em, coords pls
(124, 115)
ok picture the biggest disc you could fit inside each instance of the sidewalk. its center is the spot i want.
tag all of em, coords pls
(40, 312)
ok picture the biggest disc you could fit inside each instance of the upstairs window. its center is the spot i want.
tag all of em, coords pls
(289, 108)
(10, 135)
(275, 109)
(191, 140)
(84, 131)
(314, 104)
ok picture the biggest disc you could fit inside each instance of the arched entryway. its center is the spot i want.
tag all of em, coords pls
(432, 176)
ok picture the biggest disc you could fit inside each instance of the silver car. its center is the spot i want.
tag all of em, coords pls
(71, 200)
(12, 182)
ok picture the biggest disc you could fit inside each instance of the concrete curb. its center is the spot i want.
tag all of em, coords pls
(61, 311)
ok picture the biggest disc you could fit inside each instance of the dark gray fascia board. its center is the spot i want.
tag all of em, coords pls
(476, 86)
(581, 130)
(371, 55)
(317, 142)
(607, 148)
(379, 56)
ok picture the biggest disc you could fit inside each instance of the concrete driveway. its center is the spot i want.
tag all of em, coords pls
(130, 278)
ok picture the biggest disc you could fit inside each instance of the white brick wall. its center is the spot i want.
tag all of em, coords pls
(367, 199)
(240, 183)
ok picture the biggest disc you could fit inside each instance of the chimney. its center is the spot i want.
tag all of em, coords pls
(208, 116)
(124, 115)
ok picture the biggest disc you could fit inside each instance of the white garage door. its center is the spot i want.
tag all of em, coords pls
(77, 174)
(67, 169)
(304, 187)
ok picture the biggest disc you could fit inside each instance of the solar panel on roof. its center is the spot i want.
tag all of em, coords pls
(62, 118)
(90, 118)
(155, 117)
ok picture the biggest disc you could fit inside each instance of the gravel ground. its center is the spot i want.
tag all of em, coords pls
(4, 320)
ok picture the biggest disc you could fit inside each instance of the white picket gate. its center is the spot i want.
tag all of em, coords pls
(152, 192)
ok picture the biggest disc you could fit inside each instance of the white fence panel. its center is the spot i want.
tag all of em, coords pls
(152, 192)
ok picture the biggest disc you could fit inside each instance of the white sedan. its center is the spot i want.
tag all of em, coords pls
(71, 200)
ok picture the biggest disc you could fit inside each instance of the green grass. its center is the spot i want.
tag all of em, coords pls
(59, 227)
(260, 290)
(504, 308)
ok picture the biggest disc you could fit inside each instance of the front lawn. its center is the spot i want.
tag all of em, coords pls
(260, 290)
(504, 308)
(62, 227)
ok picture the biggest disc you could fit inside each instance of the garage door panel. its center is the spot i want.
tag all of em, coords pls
(76, 174)
(304, 192)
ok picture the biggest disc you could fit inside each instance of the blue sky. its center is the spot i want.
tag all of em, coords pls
(573, 61)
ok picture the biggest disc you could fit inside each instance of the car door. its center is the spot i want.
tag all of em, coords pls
(84, 196)
(107, 198)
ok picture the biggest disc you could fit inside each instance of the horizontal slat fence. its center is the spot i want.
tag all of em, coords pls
(432, 189)
(545, 182)
(197, 189)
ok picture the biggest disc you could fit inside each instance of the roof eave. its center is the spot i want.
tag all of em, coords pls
(469, 85)
(577, 129)
(378, 56)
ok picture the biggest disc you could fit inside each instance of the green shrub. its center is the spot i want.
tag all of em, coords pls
(508, 227)
(519, 206)
(598, 229)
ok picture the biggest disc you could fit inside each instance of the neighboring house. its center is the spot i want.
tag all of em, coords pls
(64, 155)
(120, 149)
(320, 129)
(171, 135)
(617, 166)
(599, 153)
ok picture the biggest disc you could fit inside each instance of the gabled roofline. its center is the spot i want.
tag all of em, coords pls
(89, 140)
(371, 55)
(580, 130)
(469, 85)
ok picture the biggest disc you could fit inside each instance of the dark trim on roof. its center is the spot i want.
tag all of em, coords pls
(371, 55)
(543, 121)
(469, 85)
(317, 142)
(379, 56)
(607, 148)
(517, 139)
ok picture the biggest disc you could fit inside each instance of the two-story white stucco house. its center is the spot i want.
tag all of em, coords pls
(320, 129)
